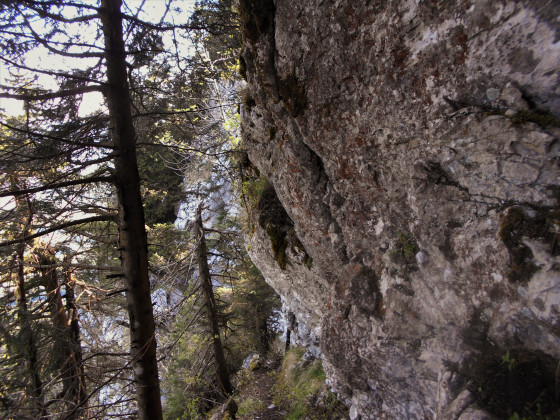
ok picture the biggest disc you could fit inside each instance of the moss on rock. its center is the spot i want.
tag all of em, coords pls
(279, 243)
(257, 16)
(272, 130)
(517, 381)
(518, 223)
(293, 95)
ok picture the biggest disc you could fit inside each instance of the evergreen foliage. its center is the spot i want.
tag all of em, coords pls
(66, 334)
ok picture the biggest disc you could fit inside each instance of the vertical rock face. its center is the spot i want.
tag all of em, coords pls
(414, 147)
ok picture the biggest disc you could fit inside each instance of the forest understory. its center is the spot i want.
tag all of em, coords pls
(288, 385)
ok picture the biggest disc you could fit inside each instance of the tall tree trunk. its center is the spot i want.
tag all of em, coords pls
(288, 339)
(27, 338)
(66, 337)
(264, 334)
(79, 389)
(222, 371)
(290, 324)
(132, 231)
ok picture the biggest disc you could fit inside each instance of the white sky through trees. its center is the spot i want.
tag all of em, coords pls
(152, 11)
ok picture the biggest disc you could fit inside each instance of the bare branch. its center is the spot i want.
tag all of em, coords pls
(90, 180)
(103, 145)
(43, 13)
(48, 72)
(52, 95)
(47, 45)
(162, 28)
(77, 266)
(193, 111)
(66, 4)
(59, 227)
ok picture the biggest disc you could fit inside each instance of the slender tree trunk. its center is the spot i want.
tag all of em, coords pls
(132, 231)
(264, 335)
(66, 336)
(27, 338)
(290, 325)
(222, 371)
(79, 390)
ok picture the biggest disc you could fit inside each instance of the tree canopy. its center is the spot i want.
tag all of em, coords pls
(128, 123)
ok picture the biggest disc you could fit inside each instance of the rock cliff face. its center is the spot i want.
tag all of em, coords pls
(412, 149)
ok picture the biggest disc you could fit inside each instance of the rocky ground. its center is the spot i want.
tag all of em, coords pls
(288, 387)
(257, 396)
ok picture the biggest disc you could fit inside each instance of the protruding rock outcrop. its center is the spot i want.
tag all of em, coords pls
(414, 148)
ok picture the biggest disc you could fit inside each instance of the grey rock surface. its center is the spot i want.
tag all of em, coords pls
(415, 148)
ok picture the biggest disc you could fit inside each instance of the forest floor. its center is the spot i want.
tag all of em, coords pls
(257, 395)
(290, 387)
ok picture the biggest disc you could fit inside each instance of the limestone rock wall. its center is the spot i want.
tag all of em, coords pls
(415, 147)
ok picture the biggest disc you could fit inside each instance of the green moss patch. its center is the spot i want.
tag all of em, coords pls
(262, 204)
(279, 243)
(247, 100)
(405, 247)
(518, 223)
(301, 392)
(272, 130)
(279, 228)
(275, 222)
(253, 189)
(250, 407)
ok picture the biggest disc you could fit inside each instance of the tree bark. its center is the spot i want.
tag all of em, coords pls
(26, 335)
(79, 392)
(291, 321)
(132, 231)
(222, 371)
(288, 339)
(264, 335)
(66, 336)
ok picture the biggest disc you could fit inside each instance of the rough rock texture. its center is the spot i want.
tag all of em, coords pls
(415, 148)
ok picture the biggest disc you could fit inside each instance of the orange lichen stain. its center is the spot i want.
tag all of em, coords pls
(346, 171)
(357, 216)
(381, 308)
(342, 285)
(359, 141)
(296, 196)
(353, 16)
(294, 169)
(282, 140)
(460, 39)
(400, 54)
